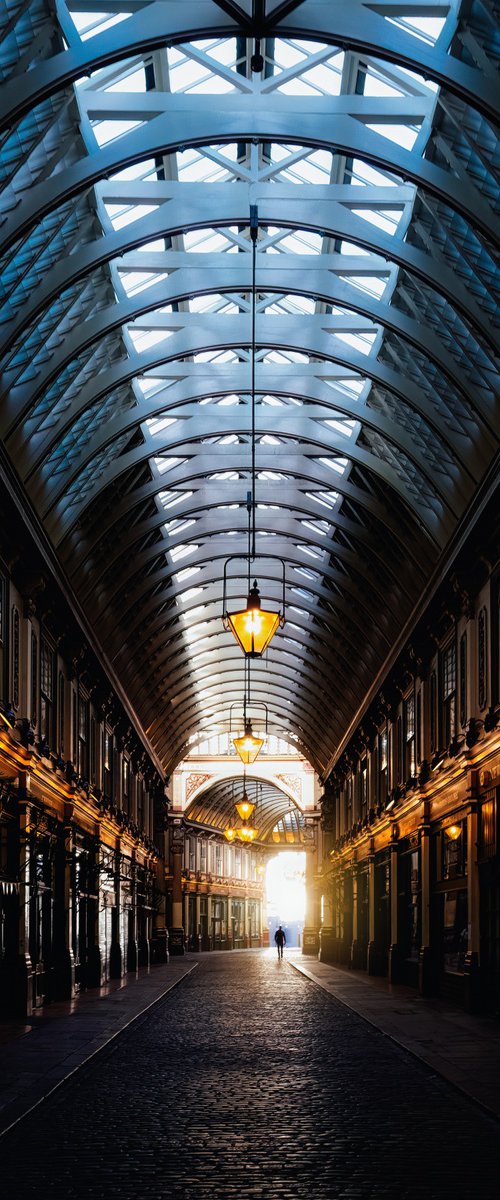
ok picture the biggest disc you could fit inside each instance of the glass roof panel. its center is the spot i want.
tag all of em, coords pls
(127, 301)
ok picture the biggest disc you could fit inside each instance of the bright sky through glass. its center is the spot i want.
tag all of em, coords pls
(285, 887)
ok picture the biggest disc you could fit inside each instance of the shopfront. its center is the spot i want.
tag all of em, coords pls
(450, 909)
(489, 881)
(409, 909)
(382, 914)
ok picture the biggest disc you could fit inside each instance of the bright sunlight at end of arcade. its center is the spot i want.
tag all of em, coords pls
(286, 894)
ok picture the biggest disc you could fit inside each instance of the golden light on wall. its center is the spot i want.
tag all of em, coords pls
(453, 832)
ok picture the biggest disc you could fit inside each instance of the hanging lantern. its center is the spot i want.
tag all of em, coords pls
(245, 808)
(248, 833)
(230, 834)
(254, 626)
(248, 746)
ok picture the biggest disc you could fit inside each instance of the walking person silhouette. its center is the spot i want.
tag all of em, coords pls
(280, 940)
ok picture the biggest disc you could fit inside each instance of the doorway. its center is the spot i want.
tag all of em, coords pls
(286, 895)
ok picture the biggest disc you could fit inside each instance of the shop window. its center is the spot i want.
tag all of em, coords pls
(363, 788)
(83, 738)
(338, 908)
(238, 920)
(418, 727)
(3, 639)
(463, 680)
(399, 751)
(34, 679)
(61, 714)
(349, 818)
(218, 859)
(47, 667)
(496, 643)
(382, 775)
(455, 931)
(409, 736)
(454, 851)
(140, 803)
(74, 725)
(448, 694)
(414, 913)
(92, 750)
(237, 862)
(409, 898)
(126, 784)
(253, 925)
(482, 664)
(15, 656)
(433, 713)
(107, 757)
(488, 818)
(203, 857)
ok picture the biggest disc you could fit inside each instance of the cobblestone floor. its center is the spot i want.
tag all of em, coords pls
(249, 1081)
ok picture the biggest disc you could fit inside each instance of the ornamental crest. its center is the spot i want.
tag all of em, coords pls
(193, 782)
(293, 783)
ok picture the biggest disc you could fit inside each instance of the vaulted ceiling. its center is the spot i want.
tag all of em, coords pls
(136, 136)
(276, 817)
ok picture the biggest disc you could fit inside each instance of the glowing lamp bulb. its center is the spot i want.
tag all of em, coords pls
(253, 627)
(453, 832)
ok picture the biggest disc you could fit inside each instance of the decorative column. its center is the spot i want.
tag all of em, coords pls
(392, 969)
(186, 919)
(424, 958)
(65, 959)
(159, 935)
(116, 952)
(132, 943)
(198, 921)
(93, 973)
(327, 931)
(355, 916)
(177, 932)
(20, 971)
(210, 928)
(371, 957)
(472, 955)
(310, 937)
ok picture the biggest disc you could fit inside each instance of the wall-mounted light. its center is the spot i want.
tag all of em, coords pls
(453, 832)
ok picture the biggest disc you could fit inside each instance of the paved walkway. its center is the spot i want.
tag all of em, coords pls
(248, 1081)
(36, 1056)
(462, 1048)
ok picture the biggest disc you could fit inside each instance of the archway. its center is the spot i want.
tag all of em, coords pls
(286, 895)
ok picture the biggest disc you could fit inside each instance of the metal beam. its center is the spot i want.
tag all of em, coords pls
(191, 122)
(355, 26)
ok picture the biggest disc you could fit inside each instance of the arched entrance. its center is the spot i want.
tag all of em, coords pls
(218, 882)
(286, 895)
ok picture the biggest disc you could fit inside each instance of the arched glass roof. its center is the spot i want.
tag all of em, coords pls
(277, 819)
(136, 136)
